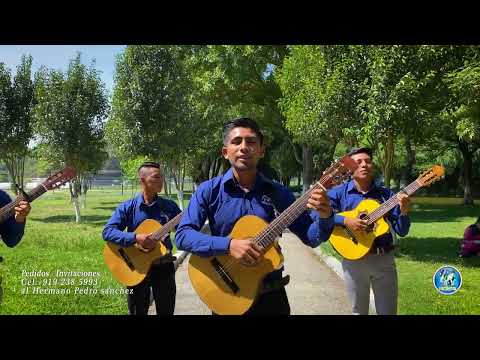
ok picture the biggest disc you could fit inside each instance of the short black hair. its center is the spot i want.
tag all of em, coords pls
(244, 122)
(149, 164)
(359, 150)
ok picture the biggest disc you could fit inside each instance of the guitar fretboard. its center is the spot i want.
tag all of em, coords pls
(267, 236)
(391, 203)
(165, 229)
(9, 209)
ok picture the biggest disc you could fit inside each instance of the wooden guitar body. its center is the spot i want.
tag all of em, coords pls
(130, 265)
(235, 295)
(354, 245)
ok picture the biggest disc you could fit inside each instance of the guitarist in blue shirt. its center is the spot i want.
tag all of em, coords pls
(377, 269)
(129, 215)
(243, 190)
(13, 228)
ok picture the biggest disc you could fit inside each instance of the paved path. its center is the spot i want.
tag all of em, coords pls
(314, 289)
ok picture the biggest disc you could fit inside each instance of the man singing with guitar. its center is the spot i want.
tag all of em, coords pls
(12, 229)
(377, 268)
(242, 191)
(130, 214)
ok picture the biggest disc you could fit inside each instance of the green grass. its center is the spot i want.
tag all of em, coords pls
(53, 241)
(434, 240)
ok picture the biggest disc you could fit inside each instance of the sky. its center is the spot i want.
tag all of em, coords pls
(58, 57)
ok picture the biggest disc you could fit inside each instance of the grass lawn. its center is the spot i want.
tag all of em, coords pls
(434, 240)
(53, 241)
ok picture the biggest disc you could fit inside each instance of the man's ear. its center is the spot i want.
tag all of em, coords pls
(225, 152)
(262, 151)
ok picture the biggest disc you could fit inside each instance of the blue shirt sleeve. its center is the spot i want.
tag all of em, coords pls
(10, 231)
(400, 223)
(113, 230)
(189, 236)
(309, 227)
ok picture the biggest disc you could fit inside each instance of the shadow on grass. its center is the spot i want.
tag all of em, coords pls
(111, 208)
(86, 219)
(435, 250)
(429, 213)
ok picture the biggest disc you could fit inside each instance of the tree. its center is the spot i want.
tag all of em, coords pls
(150, 109)
(17, 101)
(69, 122)
(232, 81)
(392, 103)
(453, 81)
(319, 100)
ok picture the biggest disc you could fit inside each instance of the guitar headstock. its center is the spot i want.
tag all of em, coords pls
(59, 178)
(340, 171)
(431, 175)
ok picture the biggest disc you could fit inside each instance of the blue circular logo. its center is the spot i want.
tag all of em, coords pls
(447, 280)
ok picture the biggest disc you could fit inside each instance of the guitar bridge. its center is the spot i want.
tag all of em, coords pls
(351, 235)
(224, 275)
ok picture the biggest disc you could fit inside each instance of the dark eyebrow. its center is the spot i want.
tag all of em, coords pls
(246, 137)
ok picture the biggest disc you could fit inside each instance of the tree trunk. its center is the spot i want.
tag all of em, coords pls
(76, 206)
(307, 164)
(467, 172)
(75, 190)
(407, 176)
(16, 170)
(84, 193)
(389, 151)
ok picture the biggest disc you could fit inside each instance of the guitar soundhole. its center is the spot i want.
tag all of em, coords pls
(364, 216)
(224, 275)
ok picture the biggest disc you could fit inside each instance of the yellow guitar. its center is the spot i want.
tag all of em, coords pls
(227, 286)
(130, 265)
(354, 245)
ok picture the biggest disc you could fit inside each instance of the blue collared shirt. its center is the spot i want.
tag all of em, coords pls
(223, 202)
(130, 215)
(10, 231)
(346, 197)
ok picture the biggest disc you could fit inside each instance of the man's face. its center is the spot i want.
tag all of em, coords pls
(365, 167)
(243, 149)
(152, 179)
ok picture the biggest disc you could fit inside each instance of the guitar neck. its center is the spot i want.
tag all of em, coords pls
(9, 209)
(279, 224)
(391, 203)
(165, 229)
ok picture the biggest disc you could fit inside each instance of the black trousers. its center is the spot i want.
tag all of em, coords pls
(160, 280)
(271, 303)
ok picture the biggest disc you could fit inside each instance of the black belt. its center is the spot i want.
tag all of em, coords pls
(274, 284)
(380, 250)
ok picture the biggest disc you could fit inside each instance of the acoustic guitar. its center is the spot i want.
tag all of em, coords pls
(229, 287)
(130, 265)
(53, 182)
(353, 245)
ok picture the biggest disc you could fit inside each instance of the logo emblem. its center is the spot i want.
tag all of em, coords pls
(447, 280)
(266, 200)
